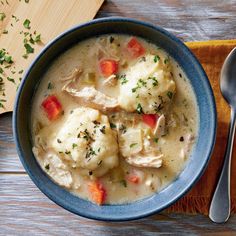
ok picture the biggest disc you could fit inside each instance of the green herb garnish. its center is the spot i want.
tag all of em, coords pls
(156, 58)
(123, 79)
(2, 16)
(74, 145)
(132, 145)
(27, 24)
(113, 126)
(47, 167)
(28, 48)
(170, 94)
(11, 80)
(155, 140)
(166, 60)
(139, 108)
(50, 85)
(124, 183)
(103, 129)
(111, 39)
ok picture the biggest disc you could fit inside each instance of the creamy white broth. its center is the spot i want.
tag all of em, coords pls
(174, 147)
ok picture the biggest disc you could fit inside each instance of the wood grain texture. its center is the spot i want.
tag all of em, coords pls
(188, 19)
(49, 18)
(24, 210)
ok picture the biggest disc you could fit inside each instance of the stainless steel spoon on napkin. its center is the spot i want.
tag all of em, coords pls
(220, 205)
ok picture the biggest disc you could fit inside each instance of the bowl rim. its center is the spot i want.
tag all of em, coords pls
(154, 209)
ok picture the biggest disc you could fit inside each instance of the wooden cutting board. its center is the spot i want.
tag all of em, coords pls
(48, 18)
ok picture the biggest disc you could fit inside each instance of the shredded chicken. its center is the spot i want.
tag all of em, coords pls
(73, 76)
(145, 161)
(91, 97)
(110, 81)
(189, 139)
(160, 128)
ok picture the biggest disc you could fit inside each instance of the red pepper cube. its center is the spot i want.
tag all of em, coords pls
(135, 48)
(150, 119)
(108, 67)
(52, 107)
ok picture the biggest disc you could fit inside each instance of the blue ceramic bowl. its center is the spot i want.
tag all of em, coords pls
(199, 156)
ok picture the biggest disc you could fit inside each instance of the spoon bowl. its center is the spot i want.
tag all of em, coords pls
(228, 79)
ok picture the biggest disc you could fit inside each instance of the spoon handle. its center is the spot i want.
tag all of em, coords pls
(220, 204)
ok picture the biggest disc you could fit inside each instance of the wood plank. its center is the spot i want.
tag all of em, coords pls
(9, 160)
(49, 18)
(25, 210)
(189, 20)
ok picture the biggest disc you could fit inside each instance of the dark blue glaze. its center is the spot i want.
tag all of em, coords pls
(199, 156)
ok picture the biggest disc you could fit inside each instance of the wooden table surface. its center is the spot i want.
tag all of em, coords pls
(24, 210)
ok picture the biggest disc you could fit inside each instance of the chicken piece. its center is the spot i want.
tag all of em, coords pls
(74, 75)
(110, 81)
(160, 128)
(54, 166)
(188, 142)
(145, 161)
(89, 96)
(131, 145)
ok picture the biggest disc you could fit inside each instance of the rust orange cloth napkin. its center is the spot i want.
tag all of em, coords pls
(211, 55)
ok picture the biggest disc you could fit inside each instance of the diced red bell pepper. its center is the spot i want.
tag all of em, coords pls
(52, 107)
(135, 48)
(98, 192)
(133, 179)
(108, 67)
(150, 119)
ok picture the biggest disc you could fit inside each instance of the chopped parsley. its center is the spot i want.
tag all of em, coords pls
(139, 84)
(155, 140)
(47, 167)
(2, 16)
(154, 79)
(132, 145)
(5, 31)
(123, 79)
(67, 152)
(124, 183)
(169, 94)
(11, 80)
(90, 153)
(103, 129)
(50, 85)
(28, 48)
(27, 24)
(74, 145)
(166, 60)
(139, 108)
(156, 58)
(111, 39)
(113, 126)
(59, 141)
(14, 17)
(37, 38)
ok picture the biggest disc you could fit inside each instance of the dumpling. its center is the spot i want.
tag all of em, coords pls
(84, 140)
(147, 87)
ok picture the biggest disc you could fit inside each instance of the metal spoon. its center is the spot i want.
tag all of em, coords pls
(220, 205)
